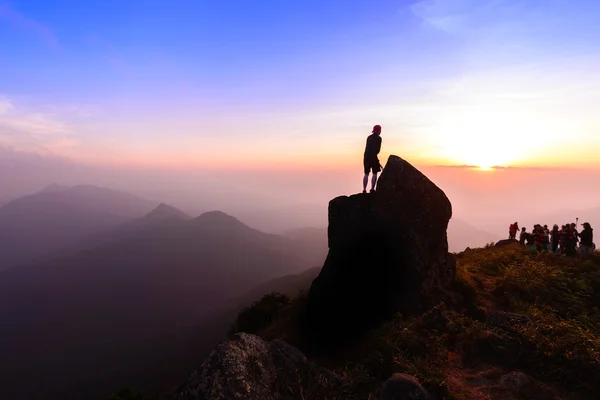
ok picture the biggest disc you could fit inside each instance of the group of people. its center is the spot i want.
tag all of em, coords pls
(563, 240)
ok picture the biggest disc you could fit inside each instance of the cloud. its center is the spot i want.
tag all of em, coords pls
(23, 22)
(446, 15)
(29, 130)
(456, 16)
(5, 106)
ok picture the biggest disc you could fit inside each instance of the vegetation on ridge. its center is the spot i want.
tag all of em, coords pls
(515, 325)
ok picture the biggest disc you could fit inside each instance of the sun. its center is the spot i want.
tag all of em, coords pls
(479, 154)
(483, 139)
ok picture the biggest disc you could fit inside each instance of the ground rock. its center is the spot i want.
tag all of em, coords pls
(506, 242)
(402, 387)
(249, 368)
(516, 381)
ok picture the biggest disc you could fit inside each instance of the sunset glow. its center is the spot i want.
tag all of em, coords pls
(452, 82)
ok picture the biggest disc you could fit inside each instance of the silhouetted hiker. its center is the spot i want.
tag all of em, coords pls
(529, 240)
(555, 233)
(587, 241)
(522, 236)
(538, 237)
(563, 239)
(371, 162)
(571, 241)
(512, 230)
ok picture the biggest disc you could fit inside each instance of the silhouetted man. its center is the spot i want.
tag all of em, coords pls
(371, 162)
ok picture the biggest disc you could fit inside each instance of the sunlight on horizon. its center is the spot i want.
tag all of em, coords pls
(522, 98)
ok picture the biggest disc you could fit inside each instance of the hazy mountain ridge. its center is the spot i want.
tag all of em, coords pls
(158, 274)
(168, 281)
(164, 211)
(290, 285)
(163, 215)
(58, 217)
(461, 235)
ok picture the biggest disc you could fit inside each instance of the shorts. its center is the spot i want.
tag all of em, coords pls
(372, 165)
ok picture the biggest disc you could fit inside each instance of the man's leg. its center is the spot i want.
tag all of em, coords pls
(373, 180)
(365, 181)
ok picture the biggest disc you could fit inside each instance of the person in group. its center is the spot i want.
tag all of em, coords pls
(571, 243)
(555, 235)
(371, 161)
(522, 236)
(546, 238)
(562, 242)
(512, 230)
(586, 246)
(529, 242)
(538, 237)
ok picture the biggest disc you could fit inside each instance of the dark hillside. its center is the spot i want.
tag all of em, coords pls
(82, 319)
(515, 325)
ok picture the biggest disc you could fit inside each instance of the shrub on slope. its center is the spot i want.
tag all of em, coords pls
(515, 325)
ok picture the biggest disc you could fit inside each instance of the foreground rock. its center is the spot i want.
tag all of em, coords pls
(248, 368)
(387, 251)
(402, 387)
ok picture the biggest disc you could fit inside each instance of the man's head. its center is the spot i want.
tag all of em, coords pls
(377, 129)
(587, 225)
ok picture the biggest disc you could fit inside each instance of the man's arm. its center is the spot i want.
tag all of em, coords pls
(378, 145)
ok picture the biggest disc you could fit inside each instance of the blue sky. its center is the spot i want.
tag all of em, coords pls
(202, 83)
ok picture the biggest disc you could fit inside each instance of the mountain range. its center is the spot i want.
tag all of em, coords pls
(127, 296)
(101, 289)
(35, 226)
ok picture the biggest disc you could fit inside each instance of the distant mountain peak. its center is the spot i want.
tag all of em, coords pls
(54, 188)
(219, 219)
(164, 211)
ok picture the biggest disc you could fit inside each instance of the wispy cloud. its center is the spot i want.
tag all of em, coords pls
(20, 21)
(457, 16)
(446, 15)
(25, 129)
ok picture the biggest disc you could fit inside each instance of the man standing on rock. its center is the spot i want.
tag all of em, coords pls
(371, 162)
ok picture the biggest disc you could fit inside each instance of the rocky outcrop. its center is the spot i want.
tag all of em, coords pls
(387, 251)
(506, 242)
(249, 368)
(402, 387)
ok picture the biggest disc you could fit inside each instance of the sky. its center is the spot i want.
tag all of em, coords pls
(273, 99)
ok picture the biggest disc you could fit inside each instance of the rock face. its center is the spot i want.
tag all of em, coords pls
(402, 387)
(248, 368)
(387, 250)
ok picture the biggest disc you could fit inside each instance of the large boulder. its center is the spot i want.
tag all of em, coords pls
(249, 368)
(387, 252)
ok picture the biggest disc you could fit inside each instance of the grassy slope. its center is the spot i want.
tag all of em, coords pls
(465, 347)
